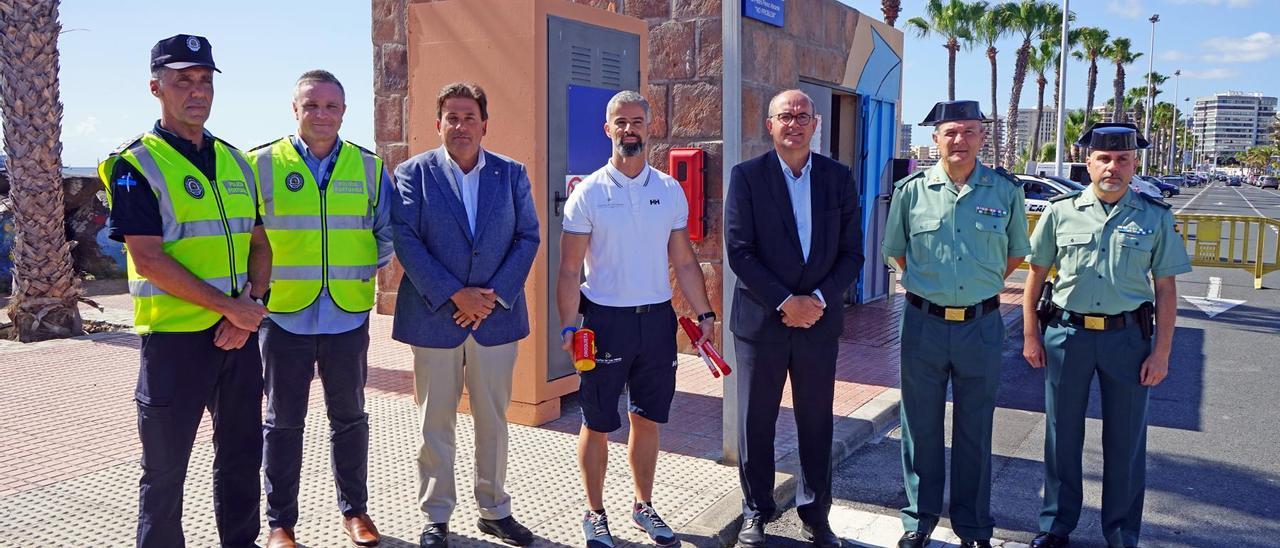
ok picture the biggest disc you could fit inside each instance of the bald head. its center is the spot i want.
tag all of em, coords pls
(787, 97)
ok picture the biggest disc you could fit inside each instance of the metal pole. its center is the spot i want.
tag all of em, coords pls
(731, 129)
(1173, 124)
(1062, 88)
(1186, 158)
(1151, 91)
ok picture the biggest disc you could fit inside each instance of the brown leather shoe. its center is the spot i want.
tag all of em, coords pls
(281, 537)
(361, 530)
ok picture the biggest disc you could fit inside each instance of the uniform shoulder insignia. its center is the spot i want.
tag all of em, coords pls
(1156, 201)
(128, 143)
(362, 149)
(1064, 196)
(1011, 177)
(903, 181)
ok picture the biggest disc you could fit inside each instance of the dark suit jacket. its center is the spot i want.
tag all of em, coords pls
(440, 255)
(764, 251)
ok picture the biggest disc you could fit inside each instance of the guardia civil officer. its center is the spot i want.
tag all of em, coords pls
(184, 204)
(626, 223)
(957, 230)
(1108, 245)
(322, 203)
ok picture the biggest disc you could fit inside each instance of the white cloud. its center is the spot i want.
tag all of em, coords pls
(88, 126)
(1131, 9)
(1173, 55)
(1218, 73)
(1254, 47)
(1228, 3)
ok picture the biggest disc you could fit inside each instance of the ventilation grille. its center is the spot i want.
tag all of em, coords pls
(611, 69)
(580, 64)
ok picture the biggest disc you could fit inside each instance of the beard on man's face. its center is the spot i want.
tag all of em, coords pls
(629, 149)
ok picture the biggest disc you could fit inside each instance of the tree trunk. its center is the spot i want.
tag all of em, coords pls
(1011, 129)
(1091, 86)
(891, 9)
(952, 47)
(1119, 114)
(45, 289)
(1035, 126)
(995, 131)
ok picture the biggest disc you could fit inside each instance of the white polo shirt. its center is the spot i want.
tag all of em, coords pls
(630, 222)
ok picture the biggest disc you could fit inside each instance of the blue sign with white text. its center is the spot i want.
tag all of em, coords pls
(772, 12)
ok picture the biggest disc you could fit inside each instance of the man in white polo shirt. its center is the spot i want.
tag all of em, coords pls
(627, 222)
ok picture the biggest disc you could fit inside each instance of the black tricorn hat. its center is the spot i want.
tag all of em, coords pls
(182, 51)
(951, 111)
(1112, 136)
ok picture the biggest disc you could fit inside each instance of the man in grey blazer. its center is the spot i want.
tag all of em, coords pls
(466, 233)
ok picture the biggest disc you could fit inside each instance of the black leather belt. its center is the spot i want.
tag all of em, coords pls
(955, 313)
(584, 303)
(1096, 322)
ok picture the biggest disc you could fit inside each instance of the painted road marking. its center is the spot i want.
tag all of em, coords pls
(1212, 303)
(1193, 199)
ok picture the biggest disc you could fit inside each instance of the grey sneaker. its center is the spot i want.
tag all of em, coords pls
(646, 518)
(595, 528)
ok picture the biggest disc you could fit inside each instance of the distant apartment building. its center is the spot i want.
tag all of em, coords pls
(904, 139)
(1026, 121)
(1230, 122)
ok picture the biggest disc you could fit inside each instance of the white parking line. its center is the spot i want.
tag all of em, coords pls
(1246, 200)
(1193, 198)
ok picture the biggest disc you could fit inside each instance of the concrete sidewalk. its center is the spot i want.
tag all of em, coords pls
(69, 443)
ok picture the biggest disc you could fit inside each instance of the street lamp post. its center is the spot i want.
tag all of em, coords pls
(1186, 134)
(1173, 124)
(1062, 88)
(1151, 91)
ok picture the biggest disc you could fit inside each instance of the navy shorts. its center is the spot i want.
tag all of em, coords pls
(635, 351)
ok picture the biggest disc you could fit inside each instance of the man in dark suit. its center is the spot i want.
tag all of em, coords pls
(794, 239)
(466, 232)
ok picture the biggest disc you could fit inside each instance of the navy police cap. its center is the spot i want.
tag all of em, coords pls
(1112, 136)
(951, 111)
(182, 51)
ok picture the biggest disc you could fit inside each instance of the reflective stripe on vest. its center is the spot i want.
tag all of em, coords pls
(205, 227)
(319, 238)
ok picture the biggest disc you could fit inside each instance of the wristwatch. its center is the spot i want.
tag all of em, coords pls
(709, 315)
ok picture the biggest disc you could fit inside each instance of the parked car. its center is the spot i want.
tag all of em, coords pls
(1174, 180)
(1165, 189)
(1144, 186)
(1269, 181)
(1038, 190)
(1234, 180)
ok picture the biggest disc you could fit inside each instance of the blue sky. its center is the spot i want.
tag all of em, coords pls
(262, 46)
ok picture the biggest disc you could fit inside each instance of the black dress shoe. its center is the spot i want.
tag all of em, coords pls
(434, 535)
(507, 529)
(752, 532)
(975, 543)
(1050, 540)
(820, 534)
(913, 539)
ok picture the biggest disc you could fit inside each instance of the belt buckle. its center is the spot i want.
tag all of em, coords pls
(953, 314)
(1095, 323)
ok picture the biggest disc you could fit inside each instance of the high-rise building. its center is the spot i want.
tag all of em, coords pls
(904, 139)
(1229, 122)
(1027, 119)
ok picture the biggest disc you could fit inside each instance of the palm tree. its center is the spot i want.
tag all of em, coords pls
(891, 9)
(1071, 130)
(951, 20)
(1136, 98)
(45, 289)
(1120, 53)
(1030, 18)
(989, 28)
(1092, 41)
(1042, 57)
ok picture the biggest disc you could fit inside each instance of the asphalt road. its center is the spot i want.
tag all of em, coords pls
(1213, 471)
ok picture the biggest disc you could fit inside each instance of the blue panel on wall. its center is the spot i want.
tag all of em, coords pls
(882, 75)
(878, 123)
(773, 12)
(588, 147)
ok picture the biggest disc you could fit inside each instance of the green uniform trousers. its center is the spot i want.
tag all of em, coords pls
(966, 354)
(1073, 355)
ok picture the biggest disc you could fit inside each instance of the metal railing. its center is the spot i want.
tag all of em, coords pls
(1225, 241)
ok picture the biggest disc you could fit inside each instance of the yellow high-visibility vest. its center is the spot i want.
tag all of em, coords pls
(206, 224)
(319, 237)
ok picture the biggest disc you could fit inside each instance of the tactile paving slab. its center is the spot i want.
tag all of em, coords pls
(99, 509)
